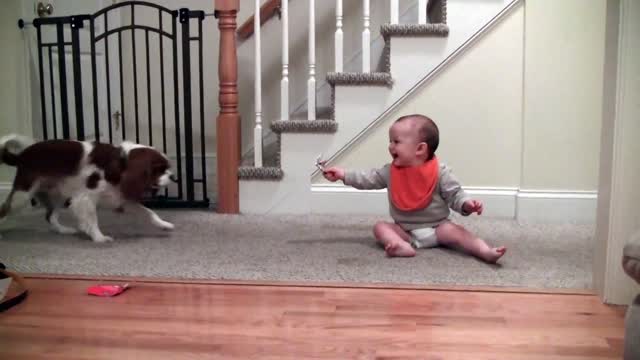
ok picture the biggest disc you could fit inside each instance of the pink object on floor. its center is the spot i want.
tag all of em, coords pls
(107, 290)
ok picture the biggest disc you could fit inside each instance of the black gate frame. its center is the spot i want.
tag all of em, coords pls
(183, 15)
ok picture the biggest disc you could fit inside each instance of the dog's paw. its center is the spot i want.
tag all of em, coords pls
(103, 239)
(165, 225)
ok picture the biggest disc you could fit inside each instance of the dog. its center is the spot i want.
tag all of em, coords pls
(80, 175)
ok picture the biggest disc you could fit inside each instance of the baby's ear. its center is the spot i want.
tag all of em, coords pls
(423, 148)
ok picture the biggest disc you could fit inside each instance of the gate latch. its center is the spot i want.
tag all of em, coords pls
(116, 116)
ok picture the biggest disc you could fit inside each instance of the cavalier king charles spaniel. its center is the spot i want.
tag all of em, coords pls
(81, 175)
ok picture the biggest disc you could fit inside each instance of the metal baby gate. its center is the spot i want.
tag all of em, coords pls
(90, 88)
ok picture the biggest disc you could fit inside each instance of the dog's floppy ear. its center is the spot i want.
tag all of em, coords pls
(136, 177)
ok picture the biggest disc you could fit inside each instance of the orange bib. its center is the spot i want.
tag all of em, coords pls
(412, 187)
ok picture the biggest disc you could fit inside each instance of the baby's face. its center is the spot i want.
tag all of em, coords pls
(403, 144)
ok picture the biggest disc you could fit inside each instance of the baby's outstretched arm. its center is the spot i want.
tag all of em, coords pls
(333, 174)
(368, 179)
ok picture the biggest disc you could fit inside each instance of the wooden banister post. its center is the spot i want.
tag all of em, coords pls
(228, 121)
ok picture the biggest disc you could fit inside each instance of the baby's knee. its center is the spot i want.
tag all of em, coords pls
(379, 228)
(448, 234)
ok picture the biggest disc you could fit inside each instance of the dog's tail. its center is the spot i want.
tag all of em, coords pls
(11, 146)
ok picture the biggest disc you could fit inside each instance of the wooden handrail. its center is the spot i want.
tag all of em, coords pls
(228, 121)
(267, 11)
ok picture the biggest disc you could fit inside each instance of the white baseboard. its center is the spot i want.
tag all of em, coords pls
(524, 205)
(578, 206)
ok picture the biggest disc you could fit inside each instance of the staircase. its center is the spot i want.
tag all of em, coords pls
(413, 54)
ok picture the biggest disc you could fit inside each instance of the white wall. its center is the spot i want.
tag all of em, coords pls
(13, 99)
(564, 59)
(521, 108)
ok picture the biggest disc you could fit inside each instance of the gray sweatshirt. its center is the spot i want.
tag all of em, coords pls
(447, 194)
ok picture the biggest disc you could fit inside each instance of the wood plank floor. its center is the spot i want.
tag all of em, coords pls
(201, 321)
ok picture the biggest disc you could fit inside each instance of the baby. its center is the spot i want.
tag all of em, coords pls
(421, 190)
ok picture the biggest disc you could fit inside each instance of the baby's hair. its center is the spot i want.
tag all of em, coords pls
(427, 131)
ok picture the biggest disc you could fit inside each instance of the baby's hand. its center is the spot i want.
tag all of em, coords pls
(333, 174)
(472, 206)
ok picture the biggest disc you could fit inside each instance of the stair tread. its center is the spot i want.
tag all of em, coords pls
(359, 78)
(260, 173)
(304, 126)
(439, 29)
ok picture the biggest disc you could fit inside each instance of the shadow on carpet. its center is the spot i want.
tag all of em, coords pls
(322, 248)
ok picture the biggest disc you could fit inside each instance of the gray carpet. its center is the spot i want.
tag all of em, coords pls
(206, 245)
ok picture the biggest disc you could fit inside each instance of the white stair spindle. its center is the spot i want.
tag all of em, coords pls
(339, 37)
(257, 131)
(394, 17)
(422, 12)
(284, 84)
(366, 40)
(311, 83)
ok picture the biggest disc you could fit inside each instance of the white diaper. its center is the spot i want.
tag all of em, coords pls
(424, 238)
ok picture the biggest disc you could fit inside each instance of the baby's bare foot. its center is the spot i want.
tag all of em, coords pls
(399, 248)
(494, 254)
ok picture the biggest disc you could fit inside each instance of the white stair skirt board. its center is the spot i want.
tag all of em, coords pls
(290, 195)
(523, 205)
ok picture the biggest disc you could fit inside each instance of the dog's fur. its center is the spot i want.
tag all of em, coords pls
(81, 175)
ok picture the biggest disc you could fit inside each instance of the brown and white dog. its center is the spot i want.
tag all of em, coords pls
(81, 175)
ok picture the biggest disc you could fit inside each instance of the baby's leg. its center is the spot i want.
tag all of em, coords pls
(450, 234)
(394, 239)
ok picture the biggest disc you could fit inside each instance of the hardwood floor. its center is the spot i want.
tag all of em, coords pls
(195, 321)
